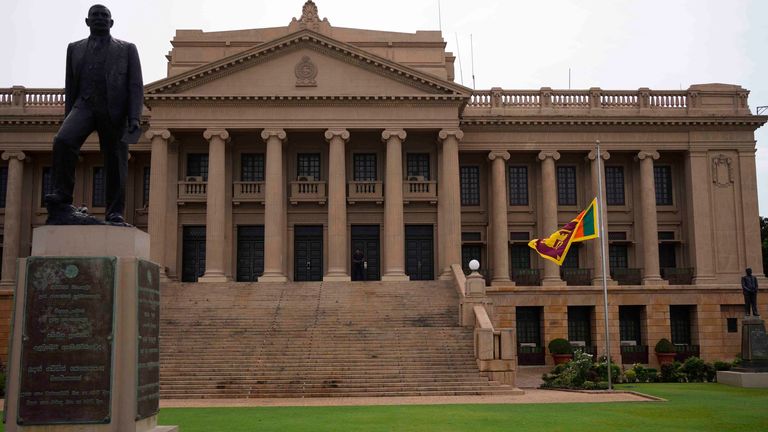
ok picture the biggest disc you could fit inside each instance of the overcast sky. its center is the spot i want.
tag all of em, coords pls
(613, 44)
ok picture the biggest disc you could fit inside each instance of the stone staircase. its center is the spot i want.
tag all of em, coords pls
(251, 340)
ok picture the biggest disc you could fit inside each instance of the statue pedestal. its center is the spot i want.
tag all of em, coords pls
(753, 371)
(84, 350)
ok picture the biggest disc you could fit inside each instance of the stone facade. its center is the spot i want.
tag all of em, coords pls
(272, 149)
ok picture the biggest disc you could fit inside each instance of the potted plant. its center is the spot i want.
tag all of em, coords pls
(665, 351)
(561, 350)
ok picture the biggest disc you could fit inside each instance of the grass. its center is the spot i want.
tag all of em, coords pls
(696, 407)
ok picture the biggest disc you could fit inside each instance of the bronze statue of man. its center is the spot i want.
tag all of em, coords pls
(105, 94)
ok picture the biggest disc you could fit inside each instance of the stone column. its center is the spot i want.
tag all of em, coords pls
(551, 274)
(650, 229)
(597, 263)
(274, 209)
(449, 201)
(337, 206)
(394, 228)
(12, 221)
(499, 226)
(699, 223)
(215, 216)
(158, 196)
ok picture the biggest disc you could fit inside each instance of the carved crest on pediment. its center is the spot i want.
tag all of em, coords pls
(306, 72)
(722, 171)
(310, 19)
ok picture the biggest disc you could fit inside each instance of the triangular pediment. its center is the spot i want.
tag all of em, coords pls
(305, 63)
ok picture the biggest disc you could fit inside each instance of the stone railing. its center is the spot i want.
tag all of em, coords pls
(308, 191)
(365, 191)
(419, 190)
(247, 191)
(192, 191)
(22, 97)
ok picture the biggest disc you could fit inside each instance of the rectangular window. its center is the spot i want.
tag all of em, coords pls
(614, 185)
(528, 324)
(145, 187)
(47, 185)
(308, 165)
(520, 256)
(667, 255)
(469, 177)
(518, 185)
(3, 185)
(732, 324)
(572, 258)
(471, 236)
(252, 167)
(618, 256)
(580, 324)
(97, 191)
(417, 164)
(566, 185)
(469, 253)
(197, 165)
(364, 167)
(662, 178)
(629, 323)
(680, 322)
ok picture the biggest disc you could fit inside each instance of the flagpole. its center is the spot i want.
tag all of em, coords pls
(601, 237)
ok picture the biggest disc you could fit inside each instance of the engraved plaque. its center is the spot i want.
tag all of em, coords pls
(66, 350)
(759, 344)
(148, 347)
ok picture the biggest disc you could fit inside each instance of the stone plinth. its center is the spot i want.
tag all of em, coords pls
(84, 347)
(743, 379)
(754, 345)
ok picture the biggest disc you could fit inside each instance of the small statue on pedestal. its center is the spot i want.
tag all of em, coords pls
(749, 288)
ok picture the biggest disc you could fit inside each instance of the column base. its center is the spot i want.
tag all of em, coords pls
(337, 277)
(213, 277)
(553, 282)
(446, 275)
(502, 282)
(598, 281)
(655, 281)
(272, 277)
(395, 277)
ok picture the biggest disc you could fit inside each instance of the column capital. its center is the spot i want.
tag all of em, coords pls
(389, 133)
(211, 133)
(643, 154)
(341, 133)
(544, 154)
(499, 154)
(603, 153)
(162, 133)
(268, 133)
(8, 155)
(445, 133)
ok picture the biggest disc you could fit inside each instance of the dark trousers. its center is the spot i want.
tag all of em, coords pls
(81, 122)
(750, 301)
(358, 273)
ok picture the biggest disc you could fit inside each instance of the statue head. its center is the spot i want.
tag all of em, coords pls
(99, 20)
(749, 272)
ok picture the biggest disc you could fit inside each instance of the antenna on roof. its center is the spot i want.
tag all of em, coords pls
(458, 55)
(472, 57)
(439, 16)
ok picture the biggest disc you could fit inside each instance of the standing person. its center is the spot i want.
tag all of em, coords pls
(749, 288)
(104, 93)
(358, 265)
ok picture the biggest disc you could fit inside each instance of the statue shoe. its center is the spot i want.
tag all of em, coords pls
(66, 216)
(116, 219)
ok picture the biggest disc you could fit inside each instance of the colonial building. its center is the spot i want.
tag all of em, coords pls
(272, 154)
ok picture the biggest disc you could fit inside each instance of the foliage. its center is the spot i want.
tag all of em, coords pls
(630, 376)
(670, 373)
(572, 374)
(560, 346)
(695, 369)
(722, 366)
(664, 346)
(601, 370)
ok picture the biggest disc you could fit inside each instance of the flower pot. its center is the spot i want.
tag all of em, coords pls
(666, 358)
(562, 358)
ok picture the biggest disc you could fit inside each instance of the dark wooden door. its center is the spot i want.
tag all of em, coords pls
(308, 253)
(193, 253)
(419, 255)
(250, 252)
(366, 238)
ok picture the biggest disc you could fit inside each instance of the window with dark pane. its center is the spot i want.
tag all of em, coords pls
(618, 256)
(473, 236)
(469, 253)
(252, 167)
(528, 324)
(145, 187)
(732, 325)
(662, 178)
(566, 185)
(470, 185)
(680, 322)
(3, 185)
(520, 256)
(572, 258)
(417, 164)
(518, 185)
(364, 166)
(667, 255)
(629, 323)
(197, 165)
(614, 185)
(580, 324)
(47, 185)
(98, 195)
(308, 165)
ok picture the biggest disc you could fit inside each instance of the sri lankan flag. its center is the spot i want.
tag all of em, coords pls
(556, 246)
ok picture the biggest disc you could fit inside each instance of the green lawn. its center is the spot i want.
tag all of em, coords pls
(698, 407)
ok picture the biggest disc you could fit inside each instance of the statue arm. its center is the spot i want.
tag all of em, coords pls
(135, 84)
(69, 84)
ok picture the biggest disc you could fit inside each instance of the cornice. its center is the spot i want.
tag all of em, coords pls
(173, 99)
(756, 121)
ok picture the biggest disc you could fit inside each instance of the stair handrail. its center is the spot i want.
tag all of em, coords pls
(460, 281)
(491, 343)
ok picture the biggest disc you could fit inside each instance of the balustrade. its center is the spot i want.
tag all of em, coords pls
(196, 191)
(251, 191)
(420, 190)
(308, 191)
(365, 191)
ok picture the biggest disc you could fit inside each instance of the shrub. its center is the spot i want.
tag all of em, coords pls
(652, 375)
(670, 372)
(630, 376)
(640, 372)
(560, 346)
(601, 370)
(695, 369)
(602, 385)
(589, 385)
(569, 375)
(664, 346)
(722, 366)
